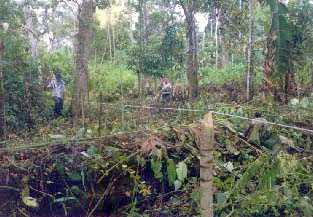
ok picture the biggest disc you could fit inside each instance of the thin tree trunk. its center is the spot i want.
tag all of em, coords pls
(110, 35)
(232, 59)
(268, 86)
(145, 22)
(113, 42)
(30, 31)
(216, 39)
(203, 41)
(271, 87)
(27, 91)
(28, 74)
(141, 44)
(240, 7)
(2, 94)
(84, 35)
(290, 84)
(250, 68)
(211, 28)
(139, 78)
(192, 59)
(224, 53)
(192, 64)
(311, 72)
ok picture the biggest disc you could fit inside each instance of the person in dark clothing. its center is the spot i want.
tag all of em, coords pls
(57, 86)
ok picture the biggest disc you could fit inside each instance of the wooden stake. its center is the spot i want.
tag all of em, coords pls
(206, 141)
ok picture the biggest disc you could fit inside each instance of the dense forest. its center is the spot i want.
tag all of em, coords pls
(156, 108)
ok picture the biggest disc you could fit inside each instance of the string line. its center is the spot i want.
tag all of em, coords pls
(222, 114)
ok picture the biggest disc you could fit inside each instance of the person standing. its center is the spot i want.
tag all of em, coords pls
(57, 86)
(166, 90)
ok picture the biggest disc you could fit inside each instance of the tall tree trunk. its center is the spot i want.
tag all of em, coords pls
(28, 102)
(216, 38)
(141, 20)
(290, 84)
(250, 68)
(224, 53)
(2, 94)
(145, 22)
(113, 42)
(211, 28)
(240, 7)
(272, 87)
(84, 35)
(109, 41)
(192, 59)
(268, 67)
(29, 23)
(311, 72)
(31, 31)
(203, 40)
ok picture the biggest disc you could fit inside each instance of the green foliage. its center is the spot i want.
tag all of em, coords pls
(283, 35)
(61, 59)
(102, 4)
(103, 50)
(20, 66)
(10, 13)
(172, 47)
(111, 80)
(289, 33)
(171, 172)
(269, 186)
(250, 172)
(17, 64)
(160, 47)
(156, 166)
(148, 61)
(230, 74)
(181, 170)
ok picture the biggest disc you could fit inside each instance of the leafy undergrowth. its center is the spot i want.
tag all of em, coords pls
(155, 172)
(119, 176)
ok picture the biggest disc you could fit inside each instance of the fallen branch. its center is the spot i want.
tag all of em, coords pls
(105, 193)
(10, 188)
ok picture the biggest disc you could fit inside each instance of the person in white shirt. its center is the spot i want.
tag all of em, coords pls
(58, 87)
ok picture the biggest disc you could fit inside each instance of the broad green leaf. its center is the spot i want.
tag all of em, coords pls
(181, 171)
(195, 196)
(220, 198)
(177, 184)
(269, 176)
(171, 172)
(156, 167)
(30, 202)
(250, 172)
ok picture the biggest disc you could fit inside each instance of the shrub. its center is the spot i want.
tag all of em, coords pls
(228, 74)
(112, 80)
